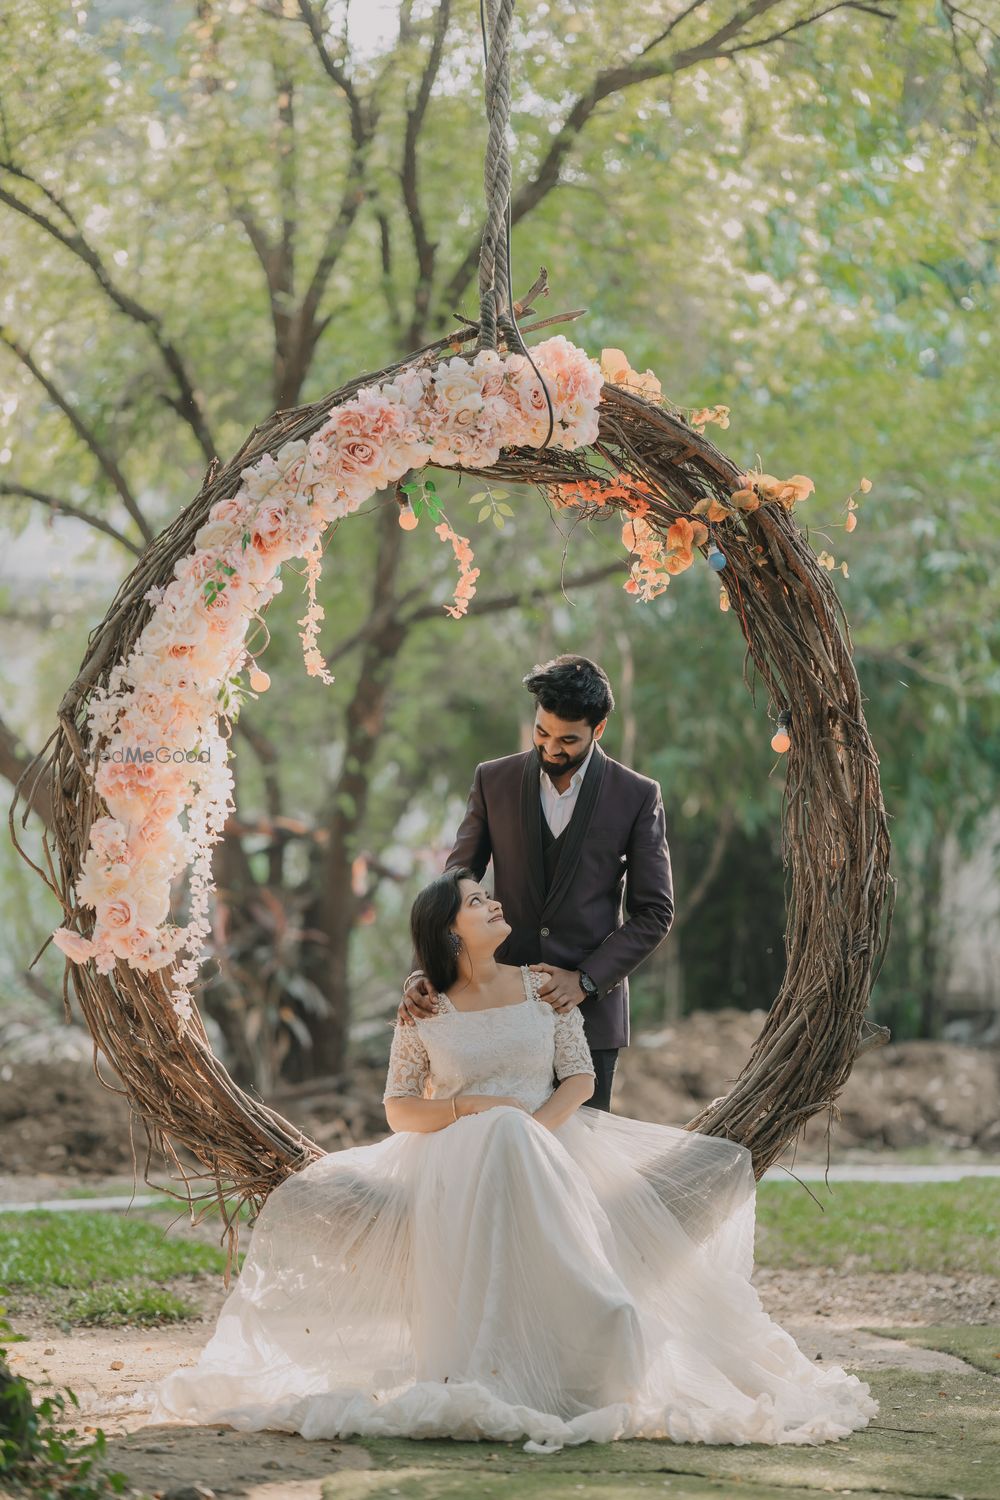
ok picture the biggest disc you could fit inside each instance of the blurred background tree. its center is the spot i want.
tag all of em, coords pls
(216, 209)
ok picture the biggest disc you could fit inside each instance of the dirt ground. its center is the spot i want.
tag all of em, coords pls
(57, 1117)
(826, 1312)
(61, 1130)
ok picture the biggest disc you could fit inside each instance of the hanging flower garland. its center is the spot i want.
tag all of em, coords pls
(164, 755)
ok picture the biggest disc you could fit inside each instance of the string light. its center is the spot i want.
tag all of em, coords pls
(781, 740)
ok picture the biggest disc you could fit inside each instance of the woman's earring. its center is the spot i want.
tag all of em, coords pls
(456, 942)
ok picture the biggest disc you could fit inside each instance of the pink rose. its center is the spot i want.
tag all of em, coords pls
(78, 949)
(358, 456)
(267, 532)
(231, 511)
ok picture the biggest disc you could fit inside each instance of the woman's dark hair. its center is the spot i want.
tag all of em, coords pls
(572, 688)
(431, 916)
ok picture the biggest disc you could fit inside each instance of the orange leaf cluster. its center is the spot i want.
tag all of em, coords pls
(601, 491)
(656, 559)
(756, 487)
(705, 414)
(712, 509)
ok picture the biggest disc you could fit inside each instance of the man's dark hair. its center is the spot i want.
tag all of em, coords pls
(572, 688)
(431, 916)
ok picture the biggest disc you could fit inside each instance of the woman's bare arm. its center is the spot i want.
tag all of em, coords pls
(425, 1115)
(565, 1100)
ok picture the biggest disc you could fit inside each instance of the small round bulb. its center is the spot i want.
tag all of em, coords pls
(780, 742)
(259, 681)
(407, 519)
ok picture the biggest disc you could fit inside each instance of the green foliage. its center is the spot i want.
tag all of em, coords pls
(801, 230)
(39, 1454)
(940, 1227)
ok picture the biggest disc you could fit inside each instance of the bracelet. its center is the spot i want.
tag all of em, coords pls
(454, 1106)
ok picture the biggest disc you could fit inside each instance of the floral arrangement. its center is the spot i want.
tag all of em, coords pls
(656, 556)
(163, 754)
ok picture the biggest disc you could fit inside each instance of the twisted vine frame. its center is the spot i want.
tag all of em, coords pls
(834, 830)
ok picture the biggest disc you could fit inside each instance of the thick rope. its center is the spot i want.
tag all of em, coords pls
(497, 313)
(493, 258)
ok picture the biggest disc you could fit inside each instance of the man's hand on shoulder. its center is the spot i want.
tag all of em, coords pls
(560, 988)
(419, 998)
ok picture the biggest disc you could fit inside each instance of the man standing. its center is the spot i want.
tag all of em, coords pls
(576, 840)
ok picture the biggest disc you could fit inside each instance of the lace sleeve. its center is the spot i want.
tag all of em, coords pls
(572, 1052)
(409, 1065)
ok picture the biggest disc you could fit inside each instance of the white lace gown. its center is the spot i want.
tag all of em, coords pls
(497, 1279)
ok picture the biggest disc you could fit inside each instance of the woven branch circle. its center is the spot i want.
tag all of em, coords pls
(834, 829)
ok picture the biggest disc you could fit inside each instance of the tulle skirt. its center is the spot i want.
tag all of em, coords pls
(499, 1280)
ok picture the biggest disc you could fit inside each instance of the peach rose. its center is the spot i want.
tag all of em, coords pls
(233, 511)
(77, 948)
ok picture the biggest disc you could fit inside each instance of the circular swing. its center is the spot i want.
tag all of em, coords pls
(657, 470)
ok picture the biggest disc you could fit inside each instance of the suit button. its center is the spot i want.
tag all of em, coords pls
(545, 932)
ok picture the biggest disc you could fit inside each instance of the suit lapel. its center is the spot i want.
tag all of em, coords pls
(576, 833)
(531, 829)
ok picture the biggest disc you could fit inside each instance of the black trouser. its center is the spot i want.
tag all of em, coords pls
(604, 1060)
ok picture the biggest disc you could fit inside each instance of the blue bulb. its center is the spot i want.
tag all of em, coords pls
(716, 560)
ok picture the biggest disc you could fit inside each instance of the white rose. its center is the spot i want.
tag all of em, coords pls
(215, 536)
(456, 386)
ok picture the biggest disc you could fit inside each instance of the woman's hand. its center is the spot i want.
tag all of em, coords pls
(477, 1104)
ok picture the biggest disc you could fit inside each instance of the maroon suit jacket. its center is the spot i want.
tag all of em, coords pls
(615, 858)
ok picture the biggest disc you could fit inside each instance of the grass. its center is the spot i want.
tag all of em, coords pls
(978, 1345)
(75, 1250)
(870, 1226)
(110, 1267)
(130, 1302)
(99, 1268)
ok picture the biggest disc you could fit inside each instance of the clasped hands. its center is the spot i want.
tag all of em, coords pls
(559, 988)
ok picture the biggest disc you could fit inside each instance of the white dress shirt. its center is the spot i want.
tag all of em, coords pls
(558, 806)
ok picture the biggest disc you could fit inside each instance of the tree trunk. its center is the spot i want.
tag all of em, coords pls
(336, 906)
(929, 977)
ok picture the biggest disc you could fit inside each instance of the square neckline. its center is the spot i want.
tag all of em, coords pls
(486, 1010)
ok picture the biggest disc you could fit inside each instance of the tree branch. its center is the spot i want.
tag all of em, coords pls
(361, 123)
(388, 290)
(777, 36)
(425, 250)
(701, 887)
(188, 405)
(615, 80)
(16, 762)
(280, 826)
(307, 328)
(503, 602)
(105, 458)
(66, 508)
(287, 184)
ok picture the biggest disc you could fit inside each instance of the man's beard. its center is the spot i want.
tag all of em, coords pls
(564, 767)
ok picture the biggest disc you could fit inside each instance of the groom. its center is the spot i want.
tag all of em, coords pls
(571, 833)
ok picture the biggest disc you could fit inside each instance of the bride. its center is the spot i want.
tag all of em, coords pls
(508, 1263)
